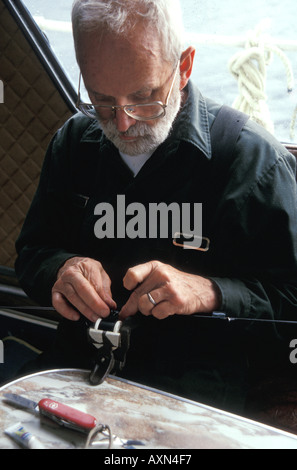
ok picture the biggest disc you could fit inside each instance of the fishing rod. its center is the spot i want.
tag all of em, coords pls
(111, 338)
(213, 316)
(223, 316)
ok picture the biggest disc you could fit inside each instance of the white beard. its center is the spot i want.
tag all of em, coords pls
(149, 136)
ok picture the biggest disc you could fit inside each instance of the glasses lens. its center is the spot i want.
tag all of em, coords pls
(145, 111)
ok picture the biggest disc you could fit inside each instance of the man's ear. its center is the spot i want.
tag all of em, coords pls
(186, 66)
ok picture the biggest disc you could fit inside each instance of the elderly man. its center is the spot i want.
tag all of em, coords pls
(142, 140)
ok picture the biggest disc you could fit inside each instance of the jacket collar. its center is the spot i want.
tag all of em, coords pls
(191, 125)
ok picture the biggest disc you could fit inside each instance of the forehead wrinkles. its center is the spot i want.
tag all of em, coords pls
(142, 43)
(123, 84)
(108, 63)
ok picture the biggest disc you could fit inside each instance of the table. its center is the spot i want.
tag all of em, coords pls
(158, 420)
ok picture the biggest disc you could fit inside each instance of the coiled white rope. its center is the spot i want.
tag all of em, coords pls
(249, 67)
(293, 124)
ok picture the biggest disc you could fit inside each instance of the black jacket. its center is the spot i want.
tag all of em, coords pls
(249, 211)
(249, 214)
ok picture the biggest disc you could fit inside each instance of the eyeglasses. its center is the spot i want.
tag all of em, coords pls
(140, 112)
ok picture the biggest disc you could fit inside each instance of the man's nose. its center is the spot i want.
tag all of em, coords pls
(123, 121)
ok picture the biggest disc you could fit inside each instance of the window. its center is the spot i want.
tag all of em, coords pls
(221, 32)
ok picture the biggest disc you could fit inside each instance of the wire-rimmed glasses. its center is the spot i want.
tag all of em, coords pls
(140, 112)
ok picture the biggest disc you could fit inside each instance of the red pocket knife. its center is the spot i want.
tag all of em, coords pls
(64, 415)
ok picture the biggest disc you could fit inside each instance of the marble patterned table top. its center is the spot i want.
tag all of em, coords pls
(158, 420)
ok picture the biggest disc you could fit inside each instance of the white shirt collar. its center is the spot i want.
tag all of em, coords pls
(136, 162)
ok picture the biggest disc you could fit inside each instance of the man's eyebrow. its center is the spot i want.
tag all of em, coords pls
(97, 93)
(141, 91)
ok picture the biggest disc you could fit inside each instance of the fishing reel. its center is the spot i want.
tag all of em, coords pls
(110, 339)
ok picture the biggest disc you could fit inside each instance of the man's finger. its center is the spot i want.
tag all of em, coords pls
(131, 306)
(138, 274)
(63, 307)
(71, 305)
(79, 293)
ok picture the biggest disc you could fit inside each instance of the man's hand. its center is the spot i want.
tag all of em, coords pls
(82, 286)
(173, 291)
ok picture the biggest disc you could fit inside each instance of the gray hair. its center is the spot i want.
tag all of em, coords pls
(121, 16)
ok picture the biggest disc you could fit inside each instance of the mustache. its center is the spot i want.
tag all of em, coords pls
(140, 129)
